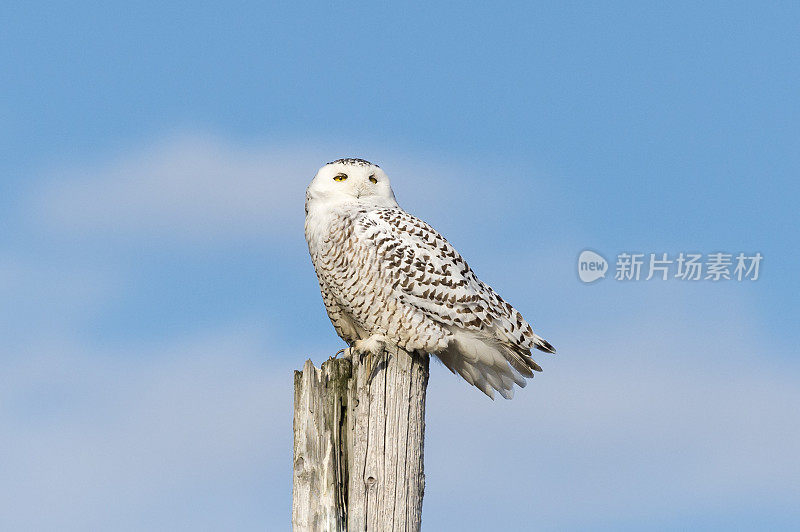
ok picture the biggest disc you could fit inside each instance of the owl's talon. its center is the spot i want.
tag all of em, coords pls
(370, 347)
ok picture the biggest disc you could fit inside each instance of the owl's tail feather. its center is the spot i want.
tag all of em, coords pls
(488, 364)
(543, 345)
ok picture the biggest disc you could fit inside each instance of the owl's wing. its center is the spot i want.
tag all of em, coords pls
(426, 272)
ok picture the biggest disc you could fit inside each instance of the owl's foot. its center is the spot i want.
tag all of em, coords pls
(374, 346)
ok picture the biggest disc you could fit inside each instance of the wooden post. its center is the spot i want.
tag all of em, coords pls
(358, 444)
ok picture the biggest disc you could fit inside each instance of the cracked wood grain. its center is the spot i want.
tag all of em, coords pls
(358, 444)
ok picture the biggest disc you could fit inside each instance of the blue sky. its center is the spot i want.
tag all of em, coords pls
(156, 289)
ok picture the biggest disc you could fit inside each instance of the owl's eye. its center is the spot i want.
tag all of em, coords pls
(340, 177)
(372, 179)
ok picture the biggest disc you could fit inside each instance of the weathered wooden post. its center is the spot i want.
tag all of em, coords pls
(358, 444)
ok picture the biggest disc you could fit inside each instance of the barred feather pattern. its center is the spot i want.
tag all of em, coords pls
(385, 272)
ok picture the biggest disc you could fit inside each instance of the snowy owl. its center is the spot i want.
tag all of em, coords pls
(389, 278)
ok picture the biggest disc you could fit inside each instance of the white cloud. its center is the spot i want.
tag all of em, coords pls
(618, 434)
(189, 187)
(200, 188)
(165, 438)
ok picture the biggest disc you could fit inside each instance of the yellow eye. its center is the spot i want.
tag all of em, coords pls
(340, 177)
(372, 179)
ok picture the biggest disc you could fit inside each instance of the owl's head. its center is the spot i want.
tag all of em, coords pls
(351, 181)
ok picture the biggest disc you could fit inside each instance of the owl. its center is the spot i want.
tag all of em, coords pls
(388, 277)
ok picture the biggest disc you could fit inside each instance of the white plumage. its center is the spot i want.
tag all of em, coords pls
(388, 277)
